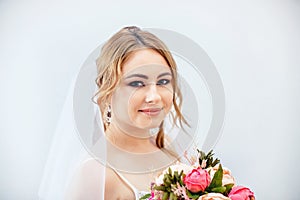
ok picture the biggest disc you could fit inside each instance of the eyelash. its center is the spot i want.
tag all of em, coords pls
(137, 84)
(163, 82)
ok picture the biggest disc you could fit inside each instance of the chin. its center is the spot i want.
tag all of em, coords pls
(145, 122)
(150, 125)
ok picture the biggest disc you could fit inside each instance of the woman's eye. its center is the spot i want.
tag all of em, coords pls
(136, 84)
(163, 82)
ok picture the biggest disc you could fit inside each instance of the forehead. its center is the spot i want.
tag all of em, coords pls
(145, 57)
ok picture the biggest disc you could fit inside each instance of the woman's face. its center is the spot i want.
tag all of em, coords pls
(145, 93)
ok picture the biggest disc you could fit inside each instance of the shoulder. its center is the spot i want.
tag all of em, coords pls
(91, 170)
(88, 180)
(92, 165)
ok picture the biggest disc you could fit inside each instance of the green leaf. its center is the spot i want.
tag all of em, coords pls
(176, 176)
(217, 179)
(169, 189)
(228, 187)
(193, 195)
(172, 196)
(167, 181)
(210, 162)
(165, 196)
(146, 196)
(160, 188)
(215, 162)
(181, 173)
(181, 183)
(170, 171)
(221, 189)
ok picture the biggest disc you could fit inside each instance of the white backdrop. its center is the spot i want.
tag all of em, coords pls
(255, 46)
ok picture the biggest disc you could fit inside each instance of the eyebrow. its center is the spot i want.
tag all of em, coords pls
(164, 74)
(137, 75)
(146, 77)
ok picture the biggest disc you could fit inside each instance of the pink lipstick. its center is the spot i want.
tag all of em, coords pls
(151, 111)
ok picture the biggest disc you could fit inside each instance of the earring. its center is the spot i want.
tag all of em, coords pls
(108, 115)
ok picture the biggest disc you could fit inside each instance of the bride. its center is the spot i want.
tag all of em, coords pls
(113, 145)
(137, 89)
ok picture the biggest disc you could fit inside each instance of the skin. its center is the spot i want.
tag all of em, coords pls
(132, 119)
(140, 103)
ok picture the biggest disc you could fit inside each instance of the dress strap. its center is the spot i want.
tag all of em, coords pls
(134, 189)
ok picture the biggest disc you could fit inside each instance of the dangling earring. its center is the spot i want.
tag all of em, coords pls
(108, 115)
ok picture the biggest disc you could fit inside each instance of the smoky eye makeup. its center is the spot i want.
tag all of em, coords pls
(164, 79)
(135, 80)
(142, 80)
(163, 82)
(136, 84)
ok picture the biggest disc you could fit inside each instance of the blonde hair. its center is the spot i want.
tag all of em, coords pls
(109, 66)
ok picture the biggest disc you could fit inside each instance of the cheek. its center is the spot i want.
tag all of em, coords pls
(135, 101)
(120, 104)
(167, 98)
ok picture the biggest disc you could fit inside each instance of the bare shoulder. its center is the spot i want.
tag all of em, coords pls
(112, 181)
(88, 181)
(92, 165)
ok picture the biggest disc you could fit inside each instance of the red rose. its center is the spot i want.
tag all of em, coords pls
(197, 180)
(241, 193)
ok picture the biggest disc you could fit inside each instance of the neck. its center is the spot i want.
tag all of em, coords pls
(138, 142)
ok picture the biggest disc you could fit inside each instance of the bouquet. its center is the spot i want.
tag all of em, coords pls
(207, 180)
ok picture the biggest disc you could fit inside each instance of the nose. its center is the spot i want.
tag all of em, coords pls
(152, 95)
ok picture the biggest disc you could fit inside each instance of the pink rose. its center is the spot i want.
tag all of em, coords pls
(197, 180)
(241, 193)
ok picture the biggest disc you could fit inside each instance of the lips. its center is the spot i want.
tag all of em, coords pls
(151, 111)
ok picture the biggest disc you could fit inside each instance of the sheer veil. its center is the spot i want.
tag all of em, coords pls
(79, 136)
(76, 135)
(67, 153)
